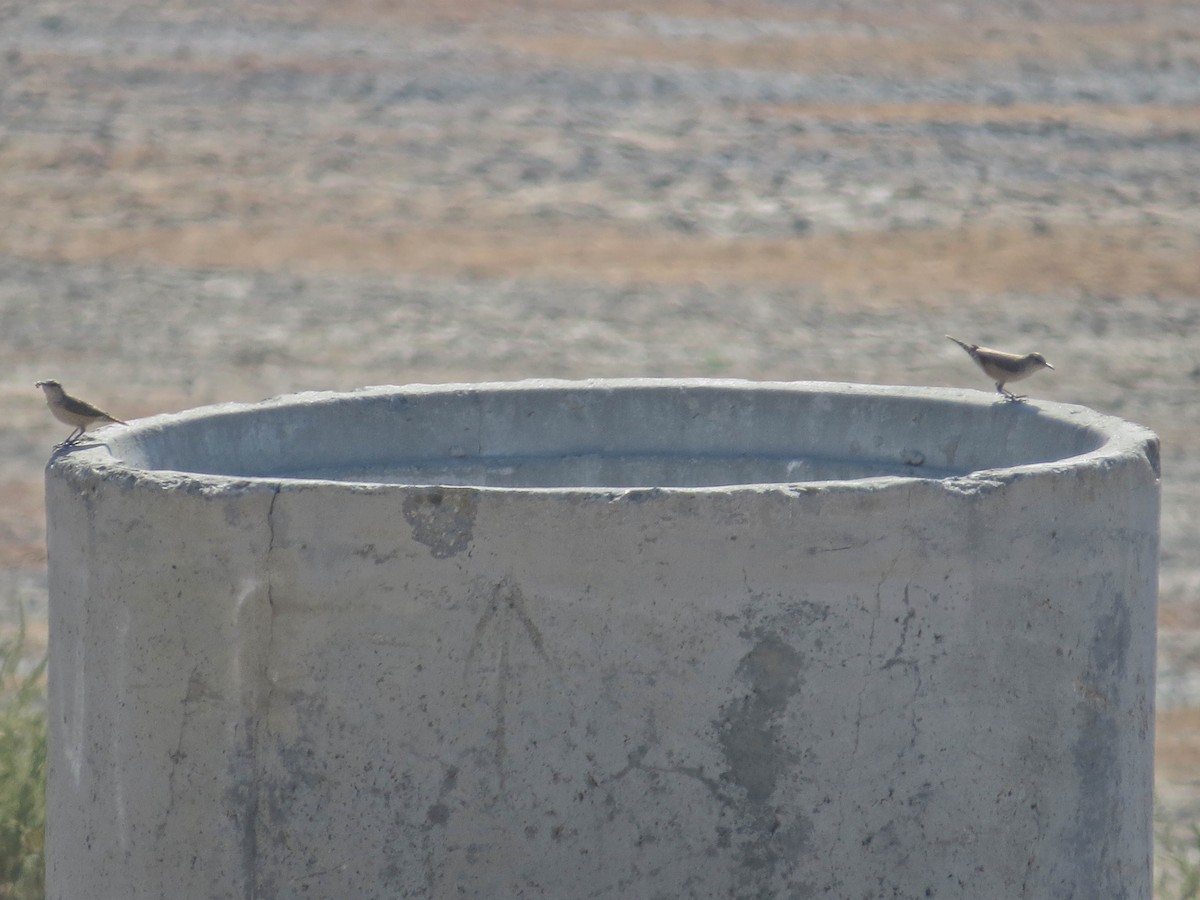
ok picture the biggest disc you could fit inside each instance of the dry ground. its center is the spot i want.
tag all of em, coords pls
(229, 200)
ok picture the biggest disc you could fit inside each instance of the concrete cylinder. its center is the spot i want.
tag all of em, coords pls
(605, 639)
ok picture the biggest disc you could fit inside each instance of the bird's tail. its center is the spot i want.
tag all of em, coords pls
(970, 348)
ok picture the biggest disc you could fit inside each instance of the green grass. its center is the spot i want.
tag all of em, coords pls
(1177, 863)
(22, 772)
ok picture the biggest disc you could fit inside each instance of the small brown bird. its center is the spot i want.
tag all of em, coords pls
(1004, 367)
(73, 411)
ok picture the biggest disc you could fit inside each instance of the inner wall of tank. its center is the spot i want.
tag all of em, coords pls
(665, 436)
(592, 470)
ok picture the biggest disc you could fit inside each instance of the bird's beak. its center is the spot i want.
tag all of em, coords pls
(1048, 366)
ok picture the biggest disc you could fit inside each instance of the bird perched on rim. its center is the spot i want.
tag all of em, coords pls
(1004, 367)
(77, 413)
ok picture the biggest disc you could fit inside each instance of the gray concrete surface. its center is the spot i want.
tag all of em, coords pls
(216, 200)
(887, 685)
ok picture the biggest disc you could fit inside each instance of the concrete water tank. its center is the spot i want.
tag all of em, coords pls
(605, 639)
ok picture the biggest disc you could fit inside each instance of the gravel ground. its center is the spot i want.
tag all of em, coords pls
(218, 201)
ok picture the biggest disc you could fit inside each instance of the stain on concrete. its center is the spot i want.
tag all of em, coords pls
(1111, 641)
(506, 601)
(505, 630)
(1096, 755)
(442, 519)
(756, 758)
(749, 732)
(371, 552)
(439, 812)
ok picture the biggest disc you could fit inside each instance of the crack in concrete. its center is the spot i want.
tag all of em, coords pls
(896, 659)
(256, 731)
(634, 763)
(194, 692)
(1039, 828)
(858, 714)
(500, 754)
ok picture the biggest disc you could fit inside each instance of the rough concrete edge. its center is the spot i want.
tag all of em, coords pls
(1123, 441)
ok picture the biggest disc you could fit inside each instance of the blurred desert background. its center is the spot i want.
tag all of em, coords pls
(209, 201)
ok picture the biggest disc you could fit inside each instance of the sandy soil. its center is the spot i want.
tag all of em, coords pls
(230, 200)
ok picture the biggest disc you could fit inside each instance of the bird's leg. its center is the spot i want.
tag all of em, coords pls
(1008, 395)
(72, 438)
